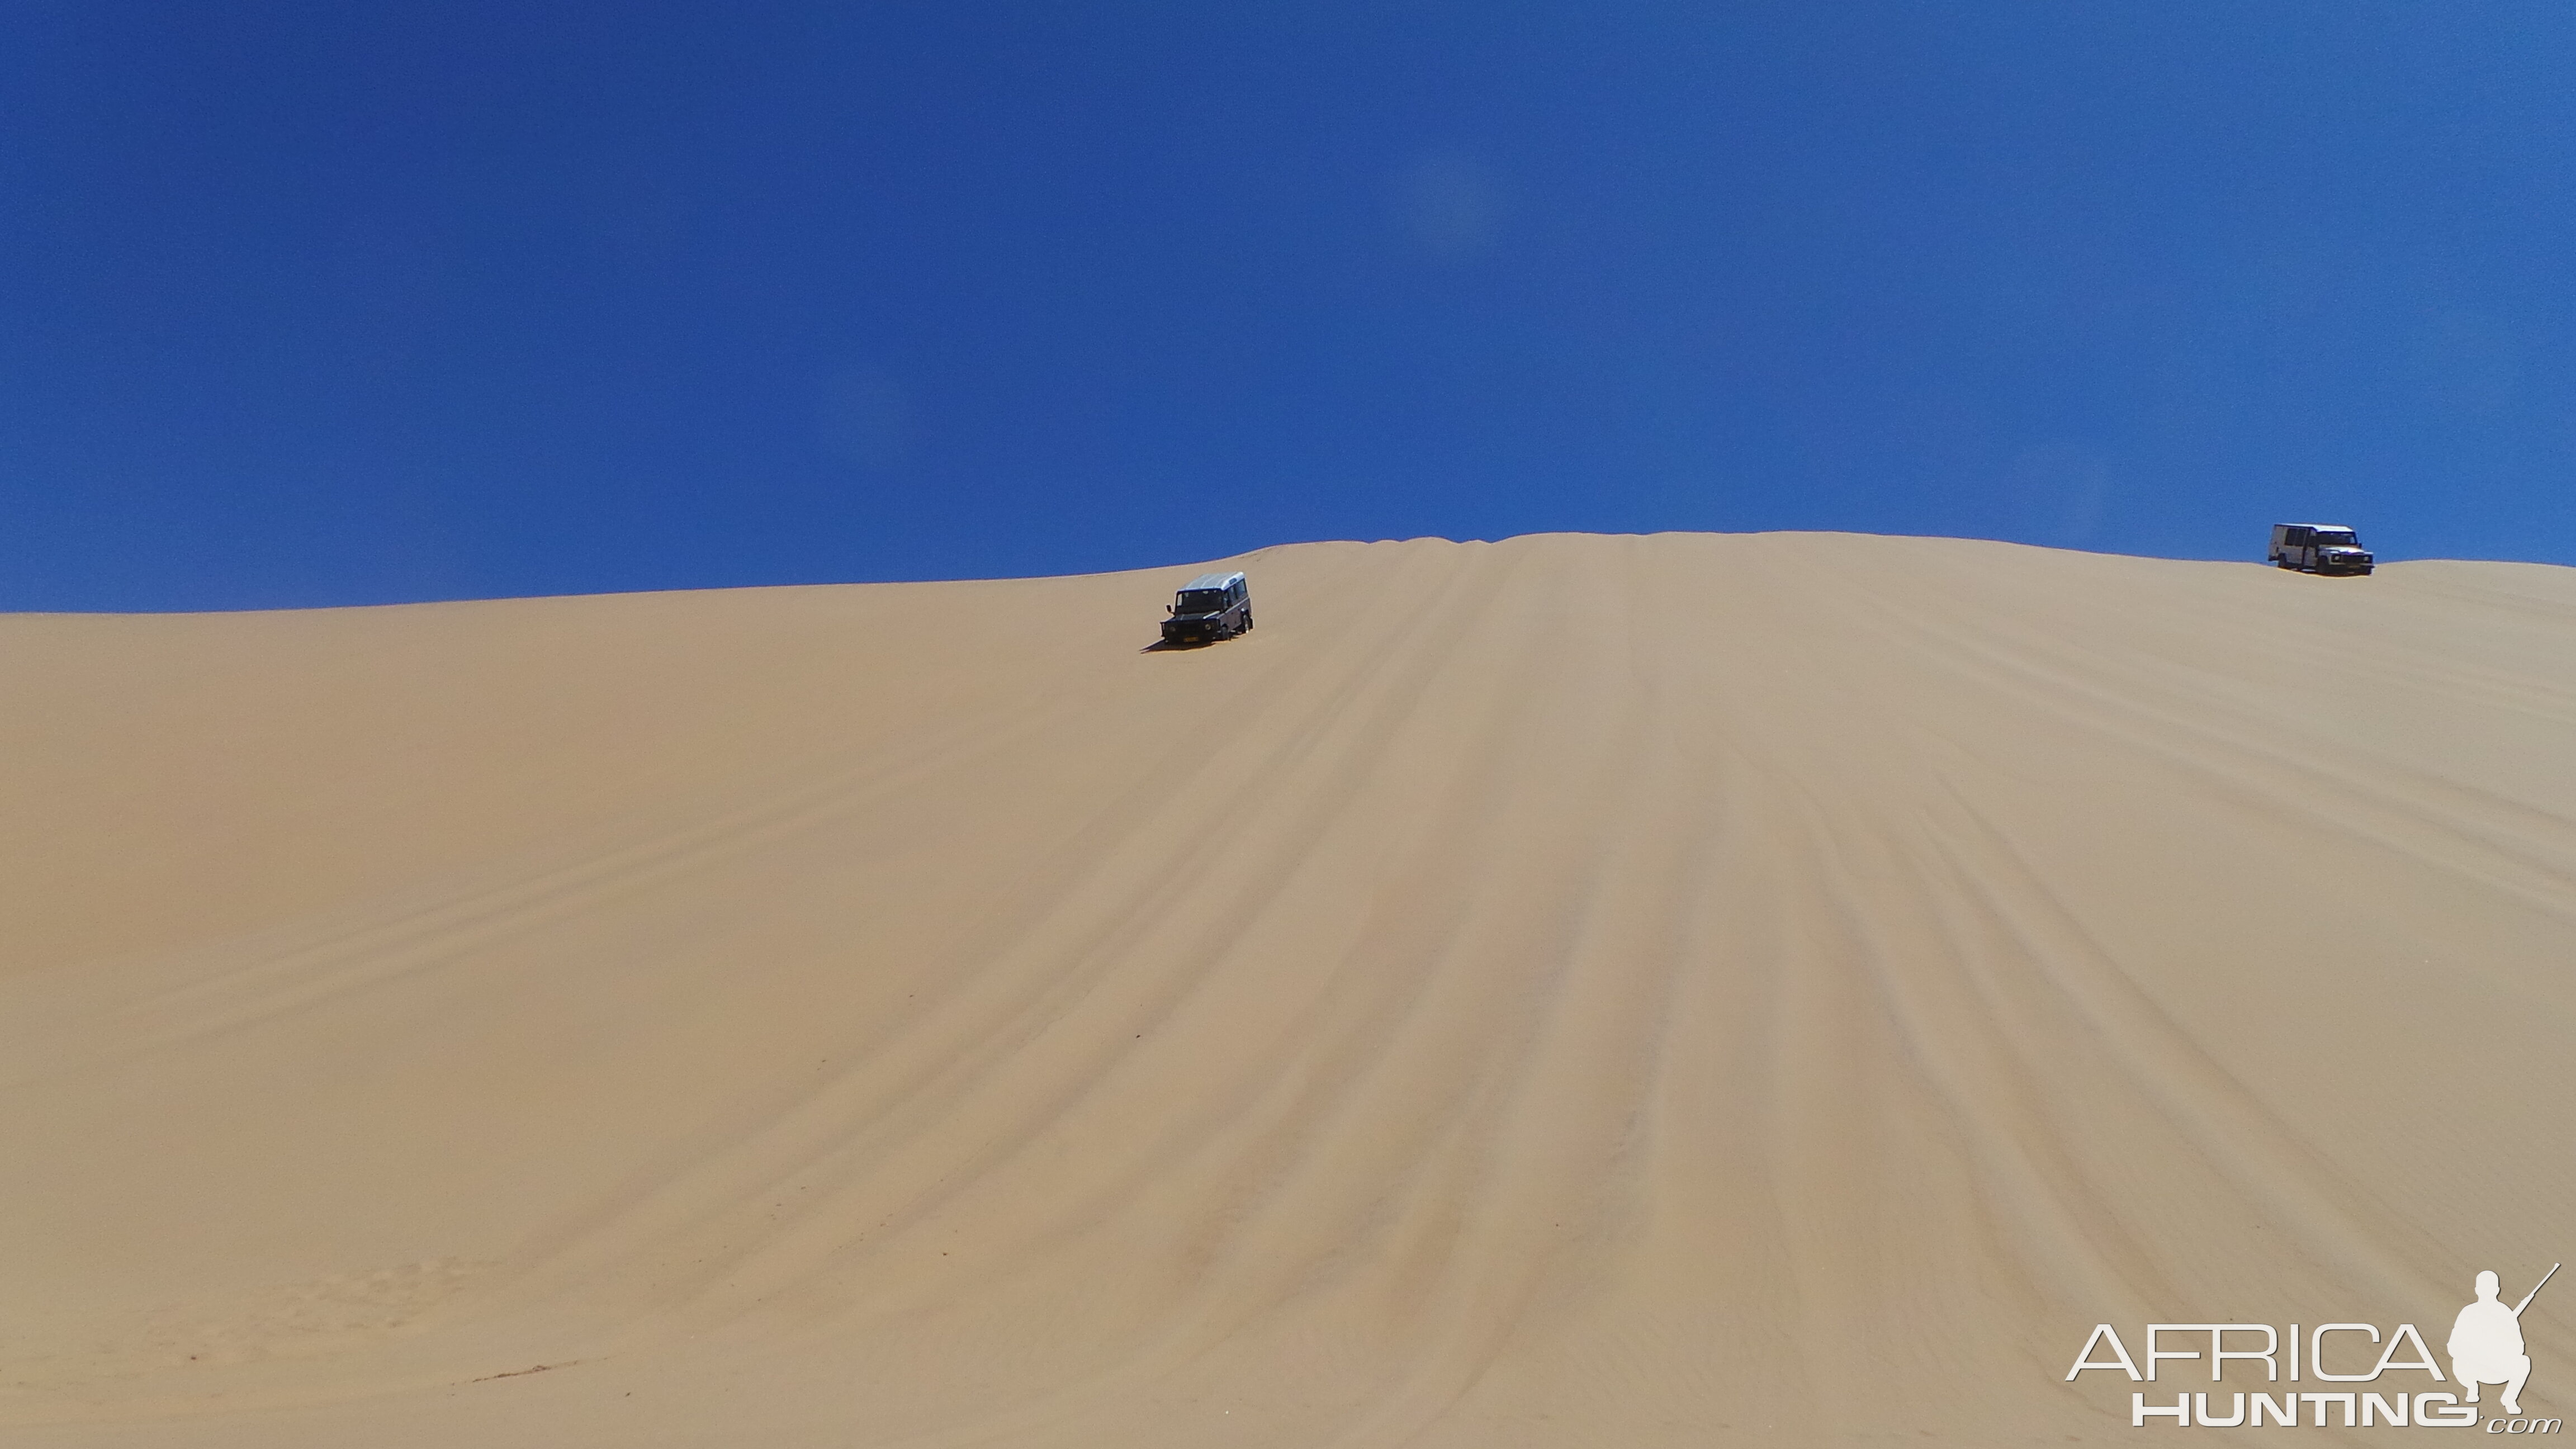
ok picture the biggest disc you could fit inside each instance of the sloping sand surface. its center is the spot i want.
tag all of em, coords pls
(1683, 990)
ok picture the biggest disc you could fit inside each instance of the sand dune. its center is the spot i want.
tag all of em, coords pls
(1683, 990)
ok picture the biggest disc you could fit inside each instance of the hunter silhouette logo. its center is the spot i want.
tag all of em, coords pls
(2486, 1342)
(2485, 1347)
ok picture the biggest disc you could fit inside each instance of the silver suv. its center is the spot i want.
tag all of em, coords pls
(2318, 548)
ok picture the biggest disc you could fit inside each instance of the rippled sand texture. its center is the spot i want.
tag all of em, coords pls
(1682, 990)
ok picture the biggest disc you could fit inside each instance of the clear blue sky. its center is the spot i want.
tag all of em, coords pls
(307, 302)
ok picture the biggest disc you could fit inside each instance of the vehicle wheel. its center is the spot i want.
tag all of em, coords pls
(1247, 621)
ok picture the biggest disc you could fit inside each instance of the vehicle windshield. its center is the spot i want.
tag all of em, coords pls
(1202, 601)
(2342, 536)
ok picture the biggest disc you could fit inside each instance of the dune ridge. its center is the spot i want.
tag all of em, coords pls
(1687, 989)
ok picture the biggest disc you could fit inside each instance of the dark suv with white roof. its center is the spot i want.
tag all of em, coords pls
(1208, 608)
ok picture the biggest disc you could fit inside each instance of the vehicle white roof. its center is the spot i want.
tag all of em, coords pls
(1215, 581)
(2338, 527)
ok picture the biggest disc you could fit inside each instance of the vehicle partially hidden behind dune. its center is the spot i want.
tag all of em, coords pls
(2318, 548)
(1208, 608)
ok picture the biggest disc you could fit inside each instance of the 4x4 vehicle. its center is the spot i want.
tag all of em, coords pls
(2318, 548)
(1208, 608)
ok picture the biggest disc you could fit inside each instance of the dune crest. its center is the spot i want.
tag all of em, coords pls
(1776, 989)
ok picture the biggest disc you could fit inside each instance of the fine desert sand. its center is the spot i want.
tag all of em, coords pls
(1682, 990)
